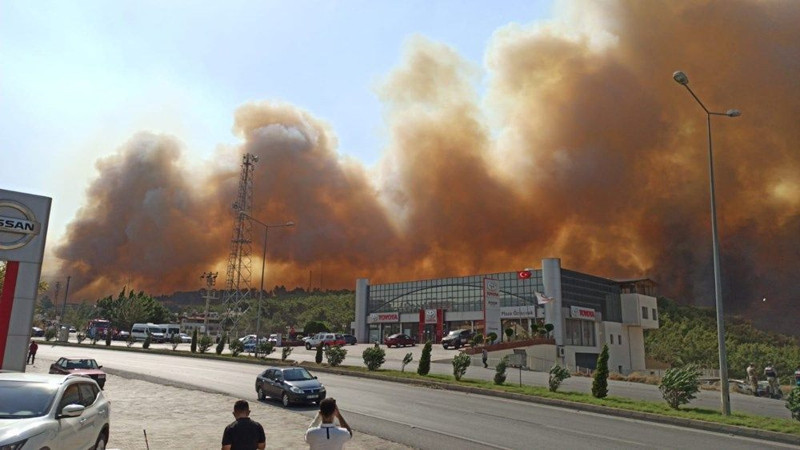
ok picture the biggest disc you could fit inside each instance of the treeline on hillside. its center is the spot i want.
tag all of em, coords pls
(336, 309)
(688, 335)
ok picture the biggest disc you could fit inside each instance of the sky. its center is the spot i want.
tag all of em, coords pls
(410, 140)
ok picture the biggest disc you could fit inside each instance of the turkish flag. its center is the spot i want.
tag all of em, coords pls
(524, 274)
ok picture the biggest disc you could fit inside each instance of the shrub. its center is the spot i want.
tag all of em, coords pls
(406, 359)
(204, 343)
(374, 357)
(147, 341)
(491, 337)
(265, 348)
(548, 328)
(286, 352)
(221, 344)
(600, 383)
(108, 338)
(509, 332)
(130, 341)
(793, 403)
(193, 345)
(557, 375)
(81, 337)
(500, 371)
(176, 339)
(476, 340)
(679, 385)
(460, 363)
(318, 356)
(425, 360)
(49, 334)
(335, 355)
(236, 347)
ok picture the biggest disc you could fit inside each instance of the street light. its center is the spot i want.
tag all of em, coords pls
(683, 80)
(263, 264)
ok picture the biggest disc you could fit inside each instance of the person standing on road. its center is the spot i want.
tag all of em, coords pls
(32, 352)
(326, 435)
(245, 433)
(485, 358)
(752, 378)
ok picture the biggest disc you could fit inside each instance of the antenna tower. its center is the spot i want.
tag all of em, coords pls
(237, 287)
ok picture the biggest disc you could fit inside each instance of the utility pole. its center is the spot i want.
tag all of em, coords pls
(211, 279)
(64, 308)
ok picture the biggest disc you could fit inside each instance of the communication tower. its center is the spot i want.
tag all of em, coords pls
(237, 287)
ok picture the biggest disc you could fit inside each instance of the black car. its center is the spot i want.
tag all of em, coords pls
(290, 385)
(349, 339)
(457, 338)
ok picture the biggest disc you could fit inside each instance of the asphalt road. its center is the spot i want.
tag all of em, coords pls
(429, 418)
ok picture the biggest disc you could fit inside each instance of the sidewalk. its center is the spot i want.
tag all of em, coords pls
(176, 418)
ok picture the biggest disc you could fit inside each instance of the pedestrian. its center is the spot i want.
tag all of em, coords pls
(244, 433)
(32, 352)
(485, 358)
(323, 432)
(797, 376)
(752, 378)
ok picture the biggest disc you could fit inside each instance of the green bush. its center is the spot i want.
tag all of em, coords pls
(193, 347)
(476, 340)
(176, 339)
(147, 341)
(491, 337)
(425, 360)
(221, 344)
(500, 371)
(130, 341)
(460, 363)
(335, 355)
(509, 332)
(286, 352)
(557, 375)
(548, 328)
(679, 384)
(265, 348)
(49, 334)
(313, 327)
(406, 359)
(600, 383)
(204, 343)
(793, 403)
(108, 338)
(374, 357)
(318, 356)
(236, 347)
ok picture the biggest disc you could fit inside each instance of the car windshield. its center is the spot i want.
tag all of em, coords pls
(81, 364)
(454, 333)
(297, 375)
(23, 399)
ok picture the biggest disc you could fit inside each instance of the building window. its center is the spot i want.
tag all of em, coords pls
(619, 339)
(644, 312)
(580, 332)
(612, 339)
(655, 315)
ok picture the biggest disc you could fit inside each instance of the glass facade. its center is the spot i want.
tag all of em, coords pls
(589, 291)
(453, 294)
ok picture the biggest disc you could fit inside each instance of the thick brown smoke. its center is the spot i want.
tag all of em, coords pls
(582, 147)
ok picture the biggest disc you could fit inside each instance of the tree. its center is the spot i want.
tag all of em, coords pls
(286, 352)
(236, 346)
(335, 355)
(793, 403)
(500, 371)
(131, 307)
(204, 343)
(491, 337)
(406, 359)
(313, 327)
(108, 338)
(147, 341)
(193, 346)
(679, 385)
(460, 364)
(425, 359)
(509, 332)
(221, 344)
(374, 357)
(318, 356)
(175, 341)
(600, 383)
(557, 375)
(265, 348)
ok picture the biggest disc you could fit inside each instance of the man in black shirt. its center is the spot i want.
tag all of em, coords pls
(244, 433)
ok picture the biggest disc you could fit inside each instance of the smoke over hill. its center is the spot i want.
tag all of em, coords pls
(581, 147)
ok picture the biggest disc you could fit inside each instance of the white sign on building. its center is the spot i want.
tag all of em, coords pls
(384, 317)
(518, 312)
(576, 312)
(491, 306)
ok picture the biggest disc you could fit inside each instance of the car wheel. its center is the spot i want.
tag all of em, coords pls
(457, 345)
(308, 346)
(101, 442)
(261, 394)
(285, 399)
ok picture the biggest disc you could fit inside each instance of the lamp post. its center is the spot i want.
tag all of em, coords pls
(263, 265)
(211, 278)
(683, 80)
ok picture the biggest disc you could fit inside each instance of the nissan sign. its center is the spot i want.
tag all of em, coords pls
(18, 225)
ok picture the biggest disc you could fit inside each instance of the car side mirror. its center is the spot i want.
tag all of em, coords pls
(99, 367)
(314, 377)
(72, 410)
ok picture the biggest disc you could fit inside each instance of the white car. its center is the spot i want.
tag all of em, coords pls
(52, 411)
(185, 338)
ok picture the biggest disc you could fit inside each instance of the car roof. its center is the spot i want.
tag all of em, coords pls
(35, 377)
(76, 357)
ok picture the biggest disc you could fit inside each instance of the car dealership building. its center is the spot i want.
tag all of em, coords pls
(585, 311)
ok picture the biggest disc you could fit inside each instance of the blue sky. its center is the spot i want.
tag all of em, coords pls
(78, 79)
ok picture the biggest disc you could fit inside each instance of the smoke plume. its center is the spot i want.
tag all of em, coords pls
(581, 147)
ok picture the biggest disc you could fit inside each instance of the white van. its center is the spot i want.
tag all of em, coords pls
(141, 330)
(170, 329)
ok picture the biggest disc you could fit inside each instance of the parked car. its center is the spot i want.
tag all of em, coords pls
(81, 366)
(349, 339)
(457, 338)
(326, 339)
(250, 344)
(185, 338)
(290, 385)
(52, 411)
(121, 335)
(399, 339)
(37, 332)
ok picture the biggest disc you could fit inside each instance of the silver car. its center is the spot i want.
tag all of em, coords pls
(52, 411)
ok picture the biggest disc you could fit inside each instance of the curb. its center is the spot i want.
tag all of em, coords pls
(649, 417)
